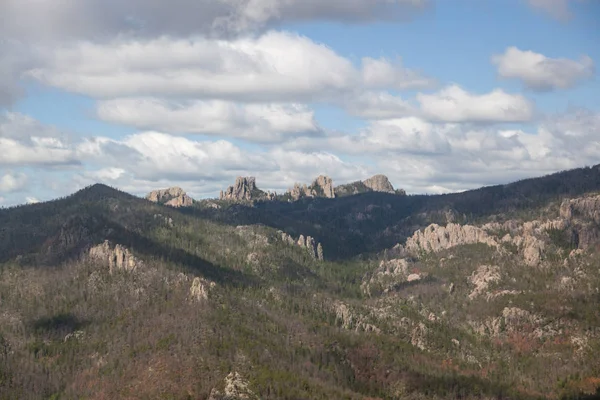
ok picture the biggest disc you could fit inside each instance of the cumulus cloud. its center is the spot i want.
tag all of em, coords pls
(265, 123)
(24, 141)
(12, 182)
(97, 19)
(541, 73)
(274, 67)
(454, 104)
(418, 155)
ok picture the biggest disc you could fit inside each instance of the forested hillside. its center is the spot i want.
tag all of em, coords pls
(487, 294)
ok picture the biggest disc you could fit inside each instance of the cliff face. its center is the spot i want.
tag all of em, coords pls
(173, 197)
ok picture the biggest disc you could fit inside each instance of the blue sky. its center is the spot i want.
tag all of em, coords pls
(438, 95)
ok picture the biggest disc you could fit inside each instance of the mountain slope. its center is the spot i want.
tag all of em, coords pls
(105, 295)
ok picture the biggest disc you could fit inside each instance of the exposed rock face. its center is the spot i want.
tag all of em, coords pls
(117, 257)
(482, 278)
(435, 238)
(173, 197)
(586, 208)
(350, 320)
(321, 187)
(236, 388)
(245, 189)
(379, 183)
(200, 288)
(386, 276)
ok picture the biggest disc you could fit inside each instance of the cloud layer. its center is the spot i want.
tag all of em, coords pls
(541, 73)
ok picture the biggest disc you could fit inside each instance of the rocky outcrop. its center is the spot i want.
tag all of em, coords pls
(482, 278)
(236, 388)
(245, 189)
(117, 258)
(386, 276)
(515, 320)
(173, 197)
(351, 320)
(321, 187)
(309, 243)
(436, 238)
(419, 336)
(200, 289)
(581, 208)
(379, 183)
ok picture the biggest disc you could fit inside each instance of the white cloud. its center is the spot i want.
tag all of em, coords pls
(12, 182)
(24, 141)
(539, 72)
(93, 19)
(254, 122)
(558, 9)
(275, 67)
(204, 167)
(383, 74)
(454, 104)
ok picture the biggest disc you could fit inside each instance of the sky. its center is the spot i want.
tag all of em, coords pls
(439, 95)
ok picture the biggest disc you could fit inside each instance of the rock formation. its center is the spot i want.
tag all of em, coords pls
(386, 276)
(435, 238)
(173, 197)
(321, 187)
(236, 388)
(482, 278)
(200, 288)
(309, 243)
(245, 189)
(117, 258)
(379, 183)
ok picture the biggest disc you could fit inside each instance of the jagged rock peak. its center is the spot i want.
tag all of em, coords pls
(379, 183)
(173, 196)
(322, 186)
(245, 188)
